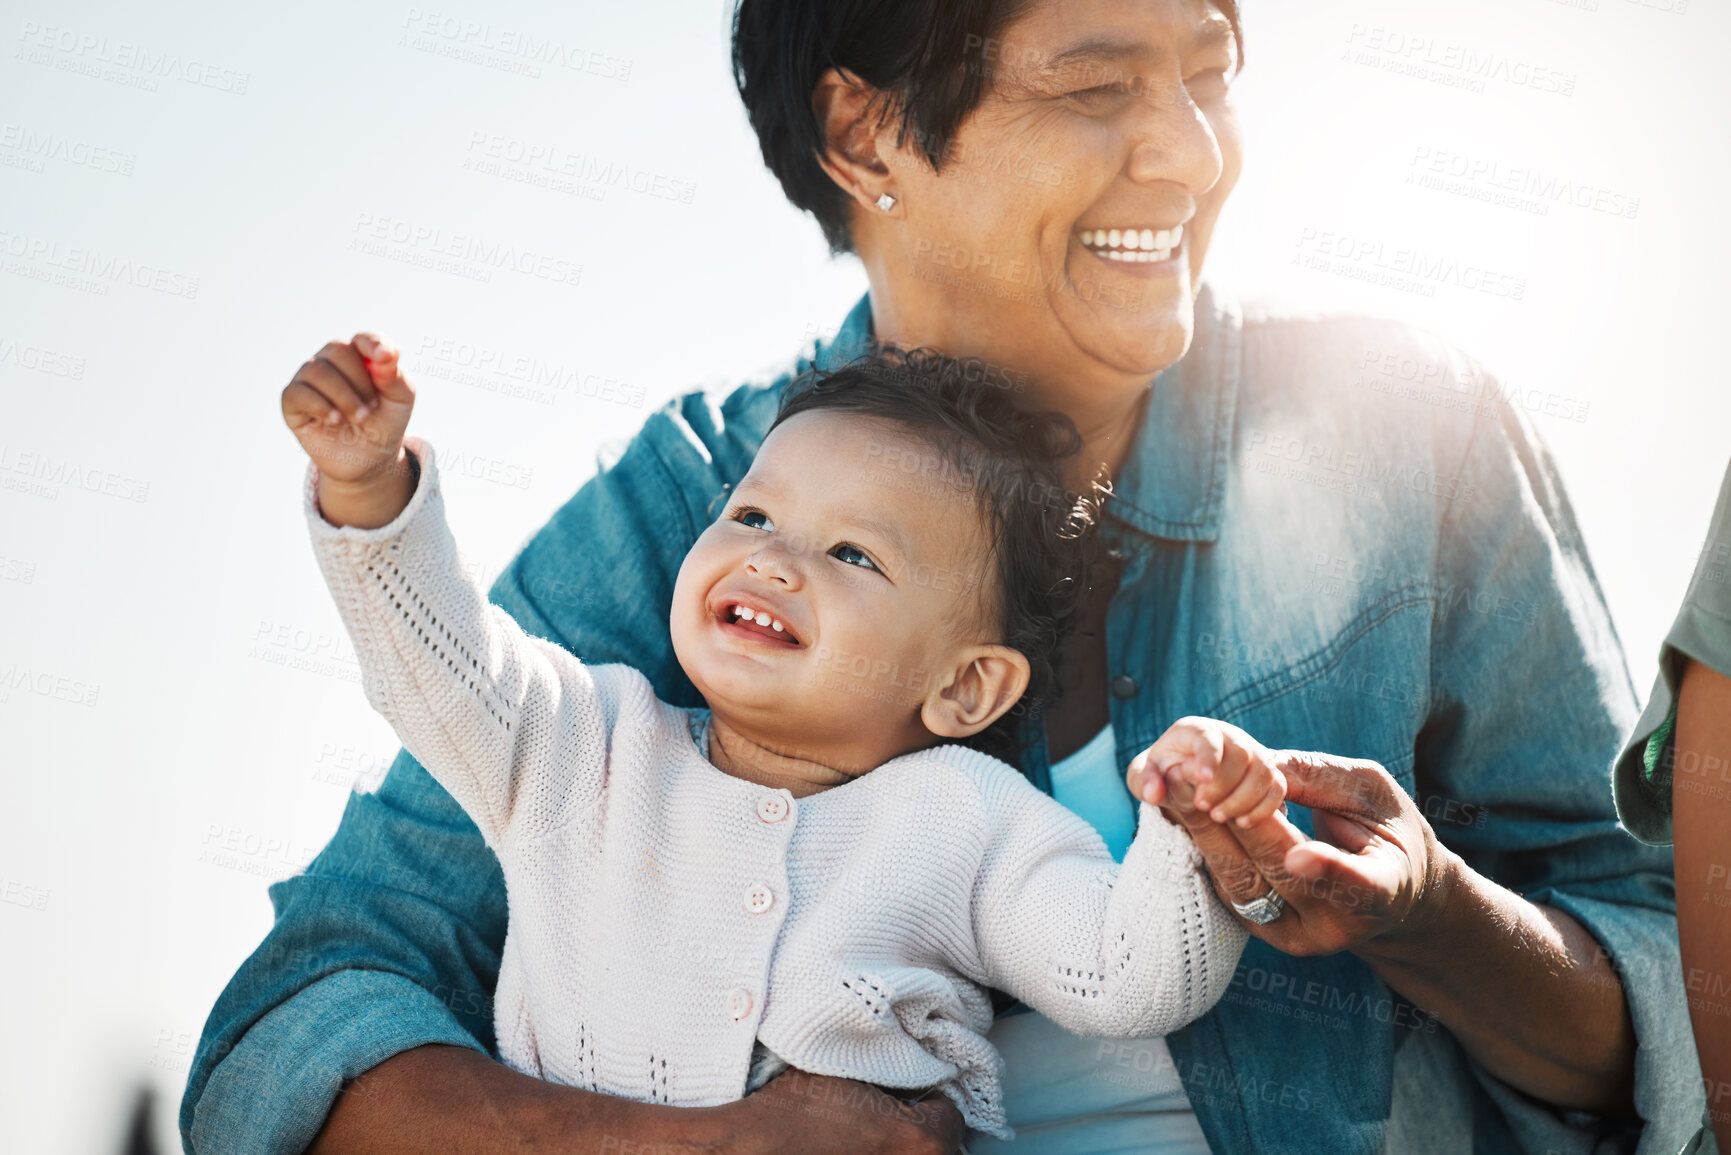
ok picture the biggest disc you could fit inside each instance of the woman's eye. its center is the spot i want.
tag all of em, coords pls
(852, 555)
(754, 519)
(1211, 81)
(1096, 94)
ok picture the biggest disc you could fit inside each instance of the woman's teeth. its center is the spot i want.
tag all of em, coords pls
(759, 617)
(1137, 245)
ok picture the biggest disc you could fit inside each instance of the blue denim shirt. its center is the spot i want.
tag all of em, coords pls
(1329, 538)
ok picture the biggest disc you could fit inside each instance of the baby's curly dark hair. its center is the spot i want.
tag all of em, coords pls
(1009, 462)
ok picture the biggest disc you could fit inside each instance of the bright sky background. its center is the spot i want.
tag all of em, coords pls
(204, 696)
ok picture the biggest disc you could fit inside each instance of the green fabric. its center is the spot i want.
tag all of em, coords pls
(1656, 759)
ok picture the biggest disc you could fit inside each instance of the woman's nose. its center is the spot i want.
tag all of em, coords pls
(1175, 142)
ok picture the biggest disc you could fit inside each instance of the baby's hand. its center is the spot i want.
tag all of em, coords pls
(348, 407)
(1213, 767)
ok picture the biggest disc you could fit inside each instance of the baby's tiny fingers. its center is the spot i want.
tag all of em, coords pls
(347, 360)
(1272, 801)
(324, 377)
(1144, 780)
(302, 405)
(1248, 781)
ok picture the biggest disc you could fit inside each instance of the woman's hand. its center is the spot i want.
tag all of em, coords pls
(1369, 871)
(460, 1102)
(1525, 989)
(799, 1113)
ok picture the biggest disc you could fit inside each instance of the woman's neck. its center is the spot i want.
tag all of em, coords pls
(735, 753)
(1104, 401)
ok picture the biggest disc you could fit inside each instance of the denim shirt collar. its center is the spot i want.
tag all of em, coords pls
(1173, 484)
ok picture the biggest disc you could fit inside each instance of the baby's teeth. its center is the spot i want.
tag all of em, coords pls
(762, 618)
(776, 625)
(740, 611)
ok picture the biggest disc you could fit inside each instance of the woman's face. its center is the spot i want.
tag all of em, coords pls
(1065, 229)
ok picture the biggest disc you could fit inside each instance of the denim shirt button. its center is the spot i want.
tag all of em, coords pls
(1123, 686)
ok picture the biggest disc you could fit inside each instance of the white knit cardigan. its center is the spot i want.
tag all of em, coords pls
(664, 915)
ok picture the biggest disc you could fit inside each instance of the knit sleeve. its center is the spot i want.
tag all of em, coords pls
(1101, 949)
(514, 727)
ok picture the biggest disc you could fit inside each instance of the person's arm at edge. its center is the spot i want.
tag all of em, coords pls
(1701, 824)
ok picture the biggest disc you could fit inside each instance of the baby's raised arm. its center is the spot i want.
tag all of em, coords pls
(514, 727)
(1141, 953)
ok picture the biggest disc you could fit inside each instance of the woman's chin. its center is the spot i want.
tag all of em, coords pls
(1138, 324)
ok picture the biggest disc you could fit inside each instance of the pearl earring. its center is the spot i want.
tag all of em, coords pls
(886, 202)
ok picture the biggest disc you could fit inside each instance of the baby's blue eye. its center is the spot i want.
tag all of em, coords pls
(754, 519)
(852, 555)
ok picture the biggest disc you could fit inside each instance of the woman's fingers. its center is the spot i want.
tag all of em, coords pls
(1353, 786)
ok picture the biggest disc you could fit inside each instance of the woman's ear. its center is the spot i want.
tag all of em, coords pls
(847, 110)
(984, 684)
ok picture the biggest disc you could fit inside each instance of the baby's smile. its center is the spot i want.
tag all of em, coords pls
(758, 622)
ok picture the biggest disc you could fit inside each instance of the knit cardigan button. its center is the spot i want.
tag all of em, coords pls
(759, 898)
(738, 1003)
(772, 808)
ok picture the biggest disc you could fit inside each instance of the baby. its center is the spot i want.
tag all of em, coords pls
(827, 868)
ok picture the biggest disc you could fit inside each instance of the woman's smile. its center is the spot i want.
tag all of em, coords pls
(1135, 246)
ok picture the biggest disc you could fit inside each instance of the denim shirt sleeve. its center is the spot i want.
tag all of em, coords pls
(391, 939)
(1530, 702)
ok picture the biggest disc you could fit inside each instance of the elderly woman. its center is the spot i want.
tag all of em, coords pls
(1447, 922)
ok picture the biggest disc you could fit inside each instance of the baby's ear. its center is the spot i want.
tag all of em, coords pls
(986, 681)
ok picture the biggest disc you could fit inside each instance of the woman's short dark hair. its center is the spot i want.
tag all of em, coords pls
(924, 54)
(1008, 465)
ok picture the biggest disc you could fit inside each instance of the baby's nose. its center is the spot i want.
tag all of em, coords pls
(772, 566)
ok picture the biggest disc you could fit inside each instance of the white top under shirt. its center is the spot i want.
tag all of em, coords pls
(665, 915)
(1068, 1095)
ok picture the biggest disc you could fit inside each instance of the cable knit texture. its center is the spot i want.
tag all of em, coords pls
(665, 915)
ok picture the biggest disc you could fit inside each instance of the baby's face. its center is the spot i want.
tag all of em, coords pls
(848, 571)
